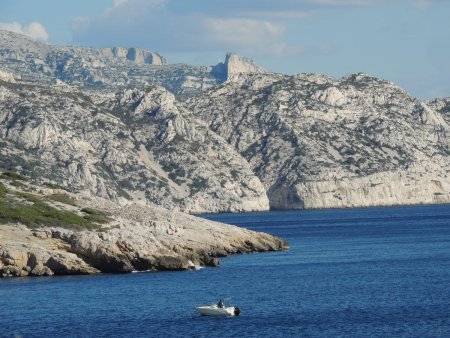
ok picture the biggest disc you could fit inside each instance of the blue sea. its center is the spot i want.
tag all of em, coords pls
(375, 272)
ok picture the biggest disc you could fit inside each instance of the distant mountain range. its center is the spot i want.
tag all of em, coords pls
(123, 124)
(109, 68)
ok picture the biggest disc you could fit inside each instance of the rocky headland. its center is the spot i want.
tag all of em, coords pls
(46, 230)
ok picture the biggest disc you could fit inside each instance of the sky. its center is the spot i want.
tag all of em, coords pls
(404, 41)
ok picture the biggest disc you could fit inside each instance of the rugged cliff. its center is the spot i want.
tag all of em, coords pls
(132, 146)
(45, 230)
(318, 142)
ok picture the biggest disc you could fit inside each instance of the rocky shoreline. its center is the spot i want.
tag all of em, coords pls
(80, 234)
(56, 251)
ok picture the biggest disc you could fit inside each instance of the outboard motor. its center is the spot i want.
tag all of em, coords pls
(237, 311)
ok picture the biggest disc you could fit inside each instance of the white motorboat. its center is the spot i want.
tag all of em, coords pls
(216, 310)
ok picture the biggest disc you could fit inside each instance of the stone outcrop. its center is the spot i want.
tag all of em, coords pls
(235, 66)
(318, 142)
(6, 76)
(136, 55)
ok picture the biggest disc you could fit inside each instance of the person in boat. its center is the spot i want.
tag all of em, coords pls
(220, 304)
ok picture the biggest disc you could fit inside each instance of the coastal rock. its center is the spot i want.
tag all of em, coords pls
(129, 238)
(318, 142)
(40, 270)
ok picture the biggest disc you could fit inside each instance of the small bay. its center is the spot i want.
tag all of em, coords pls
(379, 272)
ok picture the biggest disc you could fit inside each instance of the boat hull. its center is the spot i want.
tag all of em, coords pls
(213, 310)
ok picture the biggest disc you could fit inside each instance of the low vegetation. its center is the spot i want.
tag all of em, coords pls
(96, 216)
(3, 190)
(36, 211)
(62, 198)
(54, 186)
(10, 175)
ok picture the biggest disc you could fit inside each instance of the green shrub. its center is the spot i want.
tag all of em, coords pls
(11, 175)
(198, 184)
(54, 186)
(36, 212)
(62, 198)
(3, 190)
(17, 184)
(40, 214)
(96, 216)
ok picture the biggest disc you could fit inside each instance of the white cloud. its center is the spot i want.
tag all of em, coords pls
(34, 30)
(133, 8)
(150, 24)
(241, 32)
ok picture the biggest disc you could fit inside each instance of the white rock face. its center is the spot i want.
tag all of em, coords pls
(331, 96)
(236, 64)
(137, 55)
(318, 142)
(6, 76)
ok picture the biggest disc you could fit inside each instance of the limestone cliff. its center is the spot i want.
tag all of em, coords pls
(235, 65)
(318, 142)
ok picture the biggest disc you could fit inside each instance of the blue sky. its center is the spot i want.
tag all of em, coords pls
(405, 41)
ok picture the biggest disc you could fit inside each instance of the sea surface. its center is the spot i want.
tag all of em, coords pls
(370, 272)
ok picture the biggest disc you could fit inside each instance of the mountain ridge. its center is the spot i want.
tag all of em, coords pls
(235, 138)
(113, 68)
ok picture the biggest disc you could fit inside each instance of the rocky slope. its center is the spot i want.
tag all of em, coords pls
(132, 146)
(112, 68)
(318, 142)
(442, 106)
(46, 231)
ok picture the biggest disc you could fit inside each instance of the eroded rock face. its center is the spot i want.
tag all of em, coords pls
(137, 145)
(318, 142)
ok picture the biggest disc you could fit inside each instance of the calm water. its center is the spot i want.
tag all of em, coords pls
(357, 272)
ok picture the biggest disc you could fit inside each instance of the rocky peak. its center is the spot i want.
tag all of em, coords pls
(136, 55)
(235, 65)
